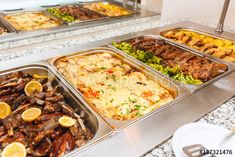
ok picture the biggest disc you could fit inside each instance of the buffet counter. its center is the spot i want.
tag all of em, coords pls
(146, 135)
(32, 50)
(19, 30)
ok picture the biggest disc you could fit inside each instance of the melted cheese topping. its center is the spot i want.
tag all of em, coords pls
(30, 21)
(115, 89)
(107, 9)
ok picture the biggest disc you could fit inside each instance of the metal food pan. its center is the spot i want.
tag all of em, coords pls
(2, 17)
(179, 92)
(94, 122)
(9, 30)
(192, 88)
(131, 12)
(79, 22)
(191, 29)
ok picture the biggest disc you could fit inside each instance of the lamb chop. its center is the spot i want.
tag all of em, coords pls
(44, 136)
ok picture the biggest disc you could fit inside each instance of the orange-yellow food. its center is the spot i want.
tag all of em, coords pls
(5, 110)
(107, 9)
(32, 87)
(30, 21)
(115, 89)
(66, 121)
(14, 149)
(220, 48)
(31, 114)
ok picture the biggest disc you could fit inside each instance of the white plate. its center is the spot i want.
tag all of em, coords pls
(206, 134)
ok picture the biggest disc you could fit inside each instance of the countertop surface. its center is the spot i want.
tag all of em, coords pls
(223, 116)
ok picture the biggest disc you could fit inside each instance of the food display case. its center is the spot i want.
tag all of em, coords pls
(120, 96)
(66, 17)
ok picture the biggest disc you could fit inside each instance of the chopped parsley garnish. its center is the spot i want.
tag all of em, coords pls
(132, 100)
(102, 91)
(137, 107)
(138, 114)
(114, 88)
(103, 68)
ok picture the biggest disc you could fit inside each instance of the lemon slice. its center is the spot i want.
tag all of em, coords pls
(31, 114)
(14, 149)
(5, 110)
(33, 86)
(66, 121)
(39, 76)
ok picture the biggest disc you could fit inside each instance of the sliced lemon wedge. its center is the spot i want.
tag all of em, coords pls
(5, 110)
(14, 149)
(32, 87)
(36, 76)
(31, 114)
(66, 121)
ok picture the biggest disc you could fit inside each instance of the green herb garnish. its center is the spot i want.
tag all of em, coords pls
(155, 62)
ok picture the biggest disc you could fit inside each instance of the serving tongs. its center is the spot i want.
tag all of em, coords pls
(198, 150)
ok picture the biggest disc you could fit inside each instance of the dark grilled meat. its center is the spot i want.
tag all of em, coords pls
(80, 13)
(199, 67)
(43, 136)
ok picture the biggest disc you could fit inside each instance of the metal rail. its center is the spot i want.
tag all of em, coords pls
(220, 27)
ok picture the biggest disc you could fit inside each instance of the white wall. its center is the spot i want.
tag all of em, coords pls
(207, 11)
(154, 5)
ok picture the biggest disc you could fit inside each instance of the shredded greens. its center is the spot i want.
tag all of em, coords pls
(64, 16)
(155, 62)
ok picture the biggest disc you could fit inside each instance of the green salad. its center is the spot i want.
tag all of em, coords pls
(64, 16)
(155, 62)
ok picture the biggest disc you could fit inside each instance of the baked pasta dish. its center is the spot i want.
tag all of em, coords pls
(107, 9)
(31, 21)
(115, 89)
(220, 48)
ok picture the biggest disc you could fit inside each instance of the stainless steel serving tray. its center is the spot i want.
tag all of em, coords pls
(178, 91)
(94, 122)
(10, 31)
(21, 35)
(132, 12)
(30, 11)
(78, 22)
(192, 88)
(163, 32)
